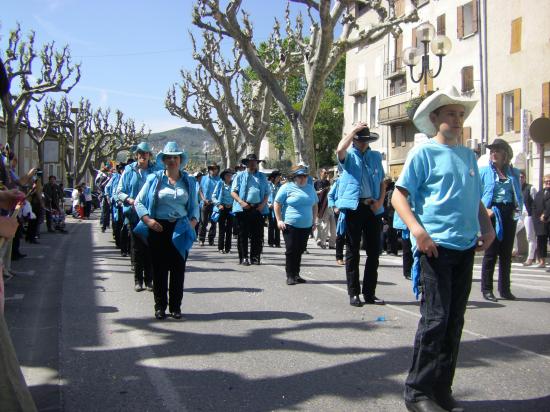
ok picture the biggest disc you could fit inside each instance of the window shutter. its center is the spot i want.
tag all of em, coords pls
(517, 110)
(459, 22)
(399, 49)
(474, 16)
(467, 78)
(515, 43)
(466, 134)
(441, 24)
(500, 98)
(546, 99)
(413, 37)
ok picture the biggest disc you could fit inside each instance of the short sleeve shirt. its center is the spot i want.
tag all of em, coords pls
(445, 188)
(297, 204)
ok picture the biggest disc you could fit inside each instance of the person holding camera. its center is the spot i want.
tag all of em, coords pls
(53, 196)
(360, 199)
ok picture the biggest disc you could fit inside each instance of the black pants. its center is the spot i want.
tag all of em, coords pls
(49, 220)
(273, 233)
(445, 282)
(340, 240)
(124, 239)
(392, 245)
(407, 257)
(250, 226)
(141, 259)
(501, 249)
(225, 222)
(166, 258)
(206, 213)
(295, 243)
(87, 208)
(542, 246)
(358, 221)
(105, 213)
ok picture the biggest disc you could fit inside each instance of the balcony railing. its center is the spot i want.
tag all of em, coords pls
(394, 68)
(357, 86)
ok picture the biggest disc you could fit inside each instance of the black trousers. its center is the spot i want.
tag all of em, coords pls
(358, 221)
(501, 249)
(124, 239)
(445, 282)
(225, 223)
(206, 213)
(340, 241)
(273, 233)
(542, 246)
(105, 219)
(141, 258)
(250, 226)
(392, 245)
(407, 256)
(295, 243)
(166, 259)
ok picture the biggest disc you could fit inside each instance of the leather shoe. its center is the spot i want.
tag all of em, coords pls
(449, 403)
(300, 279)
(138, 287)
(507, 296)
(425, 405)
(160, 314)
(373, 300)
(340, 262)
(290, 281)
(489, 296)
(246, 262)
(149, 287)
(408, 277)
(355, 301)
(176, 315)
(255, 261)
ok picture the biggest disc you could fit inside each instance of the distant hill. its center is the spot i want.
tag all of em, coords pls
(189, 138)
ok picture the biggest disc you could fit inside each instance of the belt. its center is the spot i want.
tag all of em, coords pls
(367, 201)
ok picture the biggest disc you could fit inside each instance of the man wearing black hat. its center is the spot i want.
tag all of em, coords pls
(250, 192)
(208, 184)
(360, 200)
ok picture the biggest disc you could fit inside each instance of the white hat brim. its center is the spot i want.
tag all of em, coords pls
(440, 98)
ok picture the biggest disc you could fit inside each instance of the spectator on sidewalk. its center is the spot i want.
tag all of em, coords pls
(541, 220)
(526, 221)
(87, 191)
(296, 211)
(53, 197)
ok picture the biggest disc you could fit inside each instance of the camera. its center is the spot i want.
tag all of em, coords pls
(39, 172)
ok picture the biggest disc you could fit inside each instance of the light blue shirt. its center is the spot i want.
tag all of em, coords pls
(222, 194)
(253, 190)
(444, 185)
(366, 191)
(172, 200)
(297, 203)
(503, 192)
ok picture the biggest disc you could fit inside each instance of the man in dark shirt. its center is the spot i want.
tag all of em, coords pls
(53, 195)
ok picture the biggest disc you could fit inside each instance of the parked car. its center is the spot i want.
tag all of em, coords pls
(68, 200)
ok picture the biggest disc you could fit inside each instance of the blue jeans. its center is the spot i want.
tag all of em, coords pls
(445, 284)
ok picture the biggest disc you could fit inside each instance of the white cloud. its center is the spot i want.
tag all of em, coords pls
(103, 97)
(120, 92)
(57, 34)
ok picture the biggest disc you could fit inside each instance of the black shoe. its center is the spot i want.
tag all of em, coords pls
(507, 296)
(210, 243)
(449, 403)
(138, 287)
(149, 287)
(123, 254)
(201, 243)
(160, 314)
(425, 405)
(300, 279)
(176, 315)
(102, 230)
(408, 277)
(255, 261)
(373, 300)
(489, 296)
(290, 281)
(246, 262)
(355, 301)
(18, 256)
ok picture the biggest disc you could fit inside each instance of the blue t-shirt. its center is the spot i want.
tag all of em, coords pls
(444, 185)
(297, 203)
(172, 200)
(503, 192)
(253, 190)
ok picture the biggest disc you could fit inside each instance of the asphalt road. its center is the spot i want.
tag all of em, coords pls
(87, 342)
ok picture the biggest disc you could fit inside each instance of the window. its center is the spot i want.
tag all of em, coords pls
(467, 74)
(360, 109)
(372, 120)
(466, 19)
(399, 6)
(399, 137)
(398, 85)
(361, 9)
(546, 99)
(441, 24)
(508, 106)
(515, 42)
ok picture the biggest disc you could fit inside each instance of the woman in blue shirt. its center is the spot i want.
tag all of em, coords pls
(167, 205)
(502, 197)
(295, 210)
(221, 197)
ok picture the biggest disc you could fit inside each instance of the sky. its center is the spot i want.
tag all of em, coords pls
(131, 51)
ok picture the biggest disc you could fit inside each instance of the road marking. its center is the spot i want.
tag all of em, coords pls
(417, 315)
(17, 296)
(23, 272)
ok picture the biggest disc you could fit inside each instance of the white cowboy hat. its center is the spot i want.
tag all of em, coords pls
(440, 98)
(172, 149)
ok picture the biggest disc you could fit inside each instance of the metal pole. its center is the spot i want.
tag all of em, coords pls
(75, 143)
(541, 165)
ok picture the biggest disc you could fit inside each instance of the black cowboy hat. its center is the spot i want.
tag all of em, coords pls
(251, 156)
(226, 171)
(212, 166)
(502, 144)
(274, 174)
(365, 135)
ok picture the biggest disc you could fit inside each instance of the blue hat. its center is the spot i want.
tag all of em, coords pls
(172, 149)
(300, 172)
(143, 147)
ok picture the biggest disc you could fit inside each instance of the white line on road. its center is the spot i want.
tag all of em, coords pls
(417, 315)
(17, 296)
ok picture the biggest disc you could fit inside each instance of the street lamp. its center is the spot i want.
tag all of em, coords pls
(205, 149)
(441, 46)
(75, 110)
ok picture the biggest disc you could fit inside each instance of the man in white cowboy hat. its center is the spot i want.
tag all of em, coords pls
(132, 180)
(207, 186)
(441, 181)
(250, 192)
(360, 199)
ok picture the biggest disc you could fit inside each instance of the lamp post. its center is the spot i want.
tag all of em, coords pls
(441, 46)
(75, 110)
(205, 149)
